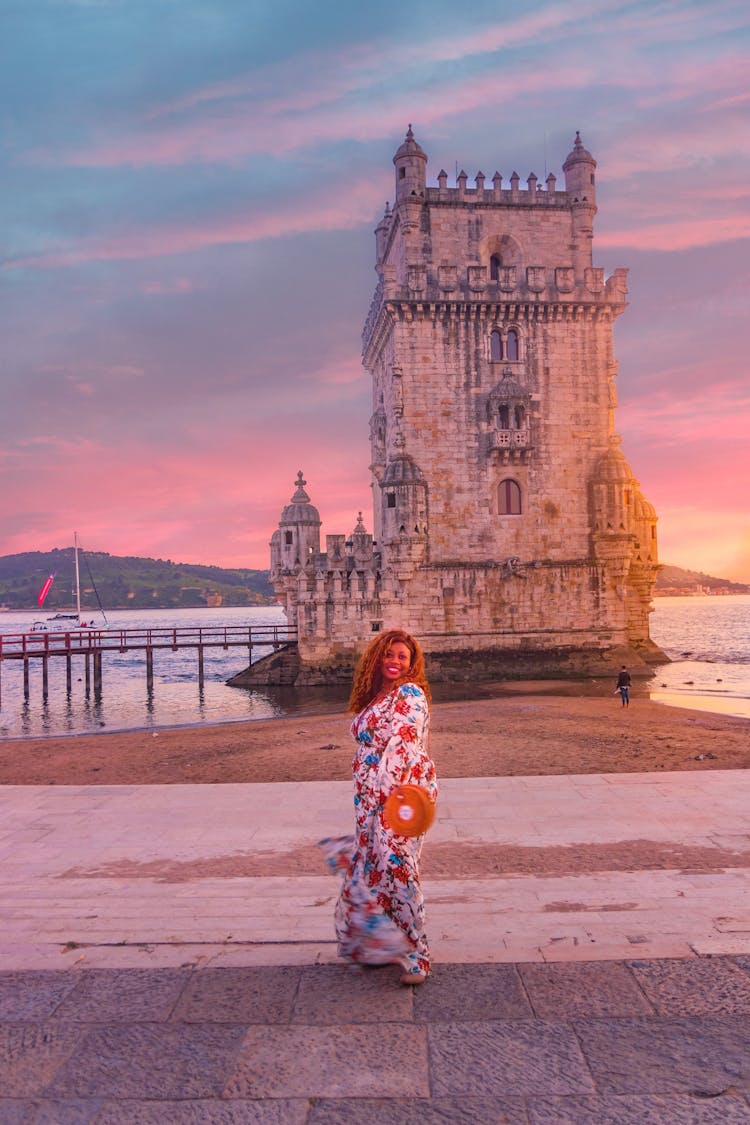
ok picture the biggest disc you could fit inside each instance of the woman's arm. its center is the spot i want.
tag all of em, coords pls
(406, 759)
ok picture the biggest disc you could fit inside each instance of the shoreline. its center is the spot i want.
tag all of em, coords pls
(528, 729)
(589, 688)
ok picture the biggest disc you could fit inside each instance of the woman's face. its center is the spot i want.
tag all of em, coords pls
(396, 662)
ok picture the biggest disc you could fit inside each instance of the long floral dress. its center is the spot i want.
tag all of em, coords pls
(379, 915)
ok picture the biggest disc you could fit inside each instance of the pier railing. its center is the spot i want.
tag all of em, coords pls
(92, 644)
(20, 646)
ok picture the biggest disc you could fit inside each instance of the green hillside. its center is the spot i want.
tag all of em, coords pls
(676, 580)
(126, 583)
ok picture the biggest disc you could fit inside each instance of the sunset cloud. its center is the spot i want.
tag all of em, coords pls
(188, 258)
(293, 215)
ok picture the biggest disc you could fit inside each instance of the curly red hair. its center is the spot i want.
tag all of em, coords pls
(368, 678)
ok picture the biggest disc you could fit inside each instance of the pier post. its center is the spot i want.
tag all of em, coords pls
(68, 673)
(149, 669)
(45, 677)
(200, 667)
(97, 674)
(26, 677)
(87, 666)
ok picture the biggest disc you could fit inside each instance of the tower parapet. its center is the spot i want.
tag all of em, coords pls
(553, 260)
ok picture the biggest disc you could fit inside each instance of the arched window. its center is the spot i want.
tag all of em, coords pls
(520, 417)
(288, 538)
(503, 417)
(508, 498)
(511, 345)
(494, 268)
(496, 347)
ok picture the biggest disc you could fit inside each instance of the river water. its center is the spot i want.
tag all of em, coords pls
(707, 639)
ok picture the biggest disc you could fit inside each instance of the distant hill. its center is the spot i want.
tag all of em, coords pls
(126, 583)
(675, 580)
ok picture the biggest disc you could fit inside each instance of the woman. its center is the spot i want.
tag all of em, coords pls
(380, 914)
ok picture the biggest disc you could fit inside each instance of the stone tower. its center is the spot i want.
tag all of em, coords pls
(507, 521)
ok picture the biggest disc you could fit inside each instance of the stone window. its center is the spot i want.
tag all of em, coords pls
(494, 267)
(288, 538)
(508, 498)
(505, 346)
(390, 499)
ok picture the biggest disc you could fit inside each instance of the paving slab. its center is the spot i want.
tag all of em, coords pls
(694, 987)
(31, 1054)
(703, 1056)
(572, 989)
(121, 995)
(351, 1060)
(146, 1060)
(419, 1111)
(508, 1058)
(678, 1109)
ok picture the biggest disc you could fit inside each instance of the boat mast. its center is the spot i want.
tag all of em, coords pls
(78, 578)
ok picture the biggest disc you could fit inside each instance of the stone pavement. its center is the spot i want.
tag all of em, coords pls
(166, 956)
(515, 869)
(584, 1043)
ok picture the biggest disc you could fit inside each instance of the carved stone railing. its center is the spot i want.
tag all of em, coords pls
(510, 439)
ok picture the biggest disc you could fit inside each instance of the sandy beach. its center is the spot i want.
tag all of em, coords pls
(525, 731)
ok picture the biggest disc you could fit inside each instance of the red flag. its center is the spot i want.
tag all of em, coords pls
(45, 589)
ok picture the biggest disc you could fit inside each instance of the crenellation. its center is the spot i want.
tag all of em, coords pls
(505, 516)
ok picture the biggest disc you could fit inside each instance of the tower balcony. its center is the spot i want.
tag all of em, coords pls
(510, 445)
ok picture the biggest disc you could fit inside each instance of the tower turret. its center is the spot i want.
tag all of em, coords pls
(411, 169)
(580, 184)
(381, 234)
(404, 514)
(579, 169)
(299, 530)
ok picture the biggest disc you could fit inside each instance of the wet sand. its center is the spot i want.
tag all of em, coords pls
(527, 730)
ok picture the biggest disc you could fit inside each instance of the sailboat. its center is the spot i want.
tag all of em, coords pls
(69, 619)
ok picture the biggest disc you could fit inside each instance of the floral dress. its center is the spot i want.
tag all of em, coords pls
(379, 915)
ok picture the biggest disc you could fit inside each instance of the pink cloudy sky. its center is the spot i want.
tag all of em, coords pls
(189, 193)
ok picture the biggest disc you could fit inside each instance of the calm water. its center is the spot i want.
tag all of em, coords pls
(125, 703)
(708, 641)
(707, 638)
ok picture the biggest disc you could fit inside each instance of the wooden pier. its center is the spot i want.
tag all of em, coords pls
(93, 644)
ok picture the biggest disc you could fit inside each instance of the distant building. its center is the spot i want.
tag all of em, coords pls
(509, 532)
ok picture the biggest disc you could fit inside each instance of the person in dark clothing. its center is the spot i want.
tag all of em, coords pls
(623, 686)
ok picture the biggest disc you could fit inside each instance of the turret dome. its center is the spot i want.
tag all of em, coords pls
(509, 388)
(410, 147)
(613, 467)
(642, 508)
(299, 509)
(578, 155)
(402, 470)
